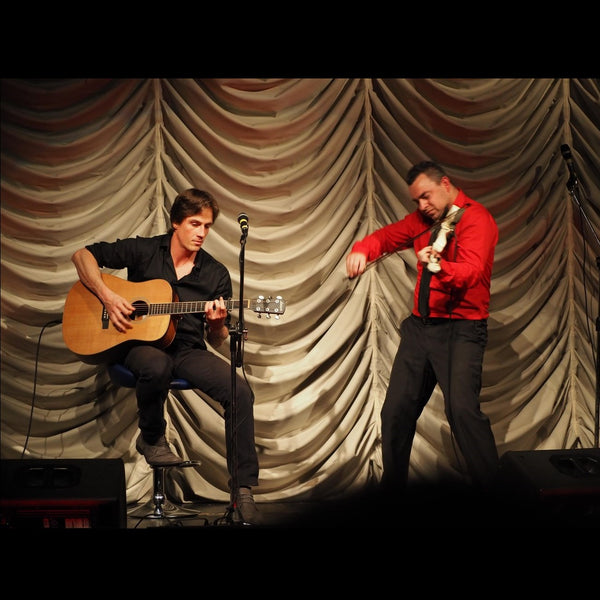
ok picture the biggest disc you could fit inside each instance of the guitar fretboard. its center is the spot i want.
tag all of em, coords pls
(177, 308)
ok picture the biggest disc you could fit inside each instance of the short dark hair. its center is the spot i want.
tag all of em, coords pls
(429, 168)
(191, 202)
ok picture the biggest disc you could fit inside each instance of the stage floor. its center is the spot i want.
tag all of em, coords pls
(424, 508)
(214, 514)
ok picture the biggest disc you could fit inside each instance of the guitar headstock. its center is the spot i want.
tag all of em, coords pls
(268, 306)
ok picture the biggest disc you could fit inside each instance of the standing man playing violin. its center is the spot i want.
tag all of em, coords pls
(444, 339)
(178, 257)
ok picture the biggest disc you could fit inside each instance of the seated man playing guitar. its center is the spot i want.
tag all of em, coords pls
(178, 258)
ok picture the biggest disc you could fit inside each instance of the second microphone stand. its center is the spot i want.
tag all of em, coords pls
(573, 187)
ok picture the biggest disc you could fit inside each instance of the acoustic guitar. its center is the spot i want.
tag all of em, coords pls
(89, 333)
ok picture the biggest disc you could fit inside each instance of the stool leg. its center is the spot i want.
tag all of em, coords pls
(160, 507)
(158, 496)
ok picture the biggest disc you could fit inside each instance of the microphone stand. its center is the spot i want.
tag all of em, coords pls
(235, 347)
(573, 187)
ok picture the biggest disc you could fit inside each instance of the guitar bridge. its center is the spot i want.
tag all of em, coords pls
(105, 319)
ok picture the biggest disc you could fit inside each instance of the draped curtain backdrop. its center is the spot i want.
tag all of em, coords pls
(315, 164)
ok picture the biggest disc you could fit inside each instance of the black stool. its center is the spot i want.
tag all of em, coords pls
(159, 507)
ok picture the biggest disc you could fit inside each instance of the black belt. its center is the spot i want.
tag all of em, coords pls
(431, 320)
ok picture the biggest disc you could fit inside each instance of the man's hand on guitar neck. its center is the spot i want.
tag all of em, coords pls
(215, 312)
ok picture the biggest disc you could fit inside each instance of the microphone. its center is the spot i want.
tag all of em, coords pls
(243, 221)
(566, 152)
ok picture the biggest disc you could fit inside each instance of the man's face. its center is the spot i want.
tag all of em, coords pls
(432, 198)
(192, 231)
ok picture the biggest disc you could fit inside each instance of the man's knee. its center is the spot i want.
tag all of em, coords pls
(154, 367)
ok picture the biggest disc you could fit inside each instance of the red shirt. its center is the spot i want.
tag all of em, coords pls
(461, 289)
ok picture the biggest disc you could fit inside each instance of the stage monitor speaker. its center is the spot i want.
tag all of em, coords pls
(63, 494)
(563, 482)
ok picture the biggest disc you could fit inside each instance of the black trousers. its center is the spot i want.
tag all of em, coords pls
(154, 369)
(448, 352)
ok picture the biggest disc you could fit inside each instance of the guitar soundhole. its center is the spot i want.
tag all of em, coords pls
(140, 312)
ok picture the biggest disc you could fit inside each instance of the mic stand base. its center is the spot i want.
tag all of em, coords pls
(233, 517)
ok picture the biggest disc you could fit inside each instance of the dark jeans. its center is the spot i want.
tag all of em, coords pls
(154, 368)
(449, 352)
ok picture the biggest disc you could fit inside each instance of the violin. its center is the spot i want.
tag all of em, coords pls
(446, 229)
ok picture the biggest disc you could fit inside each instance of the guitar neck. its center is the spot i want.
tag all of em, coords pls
(196, 306)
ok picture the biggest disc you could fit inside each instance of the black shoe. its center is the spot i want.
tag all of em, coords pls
(246, 507)
(159, 454)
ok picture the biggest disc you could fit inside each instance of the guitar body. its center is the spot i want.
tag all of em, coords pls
(95, 339)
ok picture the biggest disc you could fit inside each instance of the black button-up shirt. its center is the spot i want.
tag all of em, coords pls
(150, 258)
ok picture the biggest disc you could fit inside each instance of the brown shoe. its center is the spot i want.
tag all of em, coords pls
(159, 454)
(247, 508)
